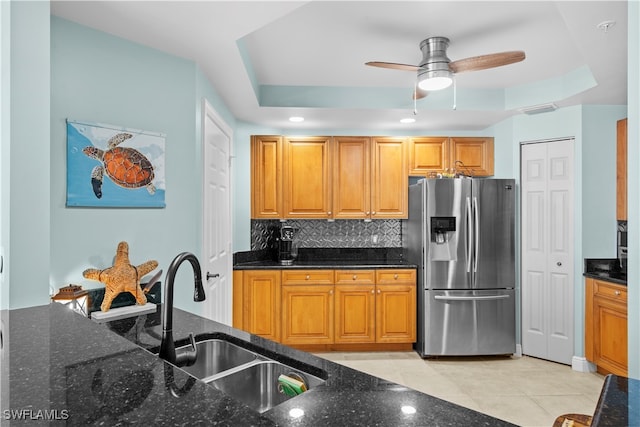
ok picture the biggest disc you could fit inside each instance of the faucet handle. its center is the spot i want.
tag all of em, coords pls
(188, 357)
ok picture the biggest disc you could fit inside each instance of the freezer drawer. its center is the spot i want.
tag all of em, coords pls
(466, 323)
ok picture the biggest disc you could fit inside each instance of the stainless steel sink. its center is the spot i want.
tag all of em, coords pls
(257, 385)
(244, 375)
(216, 356)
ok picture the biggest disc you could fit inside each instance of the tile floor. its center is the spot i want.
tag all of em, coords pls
(522, 390)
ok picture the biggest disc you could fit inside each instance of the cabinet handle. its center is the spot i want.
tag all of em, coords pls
(395, 277)
(329, 213)
(307, 277)
(355, 277)
(330, 292)
(378, 290)
(373, 291)
(617, 293)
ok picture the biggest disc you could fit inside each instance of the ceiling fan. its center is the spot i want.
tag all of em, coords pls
(436, 70)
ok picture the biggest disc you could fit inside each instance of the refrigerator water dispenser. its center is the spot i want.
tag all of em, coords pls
(441, 226)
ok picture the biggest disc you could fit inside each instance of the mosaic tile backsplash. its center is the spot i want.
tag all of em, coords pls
(329, 234)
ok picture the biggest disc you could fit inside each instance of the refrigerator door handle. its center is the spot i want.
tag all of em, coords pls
(470, 298)
(469, 234)
(476, 233)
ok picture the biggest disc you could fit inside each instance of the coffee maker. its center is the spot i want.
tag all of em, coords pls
(285, 245)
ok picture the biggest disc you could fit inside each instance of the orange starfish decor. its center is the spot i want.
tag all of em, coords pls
(122, 277)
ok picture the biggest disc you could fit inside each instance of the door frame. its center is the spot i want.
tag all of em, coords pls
(227, 131)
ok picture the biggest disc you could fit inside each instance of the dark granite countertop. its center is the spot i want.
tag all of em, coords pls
(325, 258)
(605, 269)
(619, 403)
(84, 373)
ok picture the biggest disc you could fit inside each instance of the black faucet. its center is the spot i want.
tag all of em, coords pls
(167, 346)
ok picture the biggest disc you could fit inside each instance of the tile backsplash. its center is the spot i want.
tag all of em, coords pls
(329, 234)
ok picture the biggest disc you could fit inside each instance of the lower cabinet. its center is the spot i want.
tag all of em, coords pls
(328, 307)
(307, 307)
(606, 326)
(396, 306)
(355, 302)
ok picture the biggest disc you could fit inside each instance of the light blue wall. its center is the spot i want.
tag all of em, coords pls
(25, 153)
(101, 78)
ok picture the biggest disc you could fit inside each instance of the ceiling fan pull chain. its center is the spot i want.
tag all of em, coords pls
(455, 93)
(415, 98)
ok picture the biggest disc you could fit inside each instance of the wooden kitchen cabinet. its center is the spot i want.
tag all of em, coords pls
(351, 177)
(307, 307)
(429, 155)
(621, 170)
(307, 177)
(266, 177)
(355, 299)
(606, 326)
(257, 302)
(369, 178)
(396, 307)
(389, 183)
(476, 154)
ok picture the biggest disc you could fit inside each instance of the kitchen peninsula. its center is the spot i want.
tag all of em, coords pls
(66, 366)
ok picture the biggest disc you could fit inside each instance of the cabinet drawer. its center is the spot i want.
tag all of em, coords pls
(355, 277)
(610, 290)
(395, 276)
(306, 277)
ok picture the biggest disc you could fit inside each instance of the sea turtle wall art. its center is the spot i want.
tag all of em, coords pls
(111, 166)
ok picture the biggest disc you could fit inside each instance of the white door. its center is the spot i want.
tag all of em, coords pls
(547, 177)
(217, 266)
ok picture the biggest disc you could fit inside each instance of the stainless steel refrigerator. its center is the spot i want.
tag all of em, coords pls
(460, 233)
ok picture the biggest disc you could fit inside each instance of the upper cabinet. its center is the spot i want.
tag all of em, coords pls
(307, 177)
(266, 177)
(352, 177)
(428, 155)
(389, 184)
(468, 155)
(621, 170)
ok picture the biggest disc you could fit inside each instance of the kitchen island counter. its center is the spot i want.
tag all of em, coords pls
(64, 366)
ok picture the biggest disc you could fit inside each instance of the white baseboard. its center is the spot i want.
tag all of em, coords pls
(518, 352)
(581, 364)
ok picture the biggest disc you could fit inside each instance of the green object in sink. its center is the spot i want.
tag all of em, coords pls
(290, 386)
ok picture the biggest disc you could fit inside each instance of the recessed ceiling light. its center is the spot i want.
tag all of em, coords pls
(408, 120)
(296, 119)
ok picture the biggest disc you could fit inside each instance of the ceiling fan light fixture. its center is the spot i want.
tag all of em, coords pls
(435, 80)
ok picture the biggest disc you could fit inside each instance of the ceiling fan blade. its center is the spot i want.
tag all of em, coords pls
(419, 93)
(393, 65)
(483, 62)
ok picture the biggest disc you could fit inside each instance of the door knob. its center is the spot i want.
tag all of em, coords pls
(212, 276)
(559, 264)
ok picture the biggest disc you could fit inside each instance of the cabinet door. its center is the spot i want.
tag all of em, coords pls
(351, 178)
(621, 170)
(261, 295)
(396, 314)
(428, 155)
(611, 336)
(307, 314)
(307, 177)
(610, 327)
(266, 177)
(475, 155)
(355, 306)
(390, 181)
